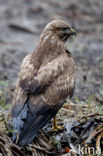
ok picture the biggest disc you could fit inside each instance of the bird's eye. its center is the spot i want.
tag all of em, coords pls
(64, 29)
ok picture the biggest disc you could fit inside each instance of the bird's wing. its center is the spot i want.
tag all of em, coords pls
(27, 73)
(35, 112)
(63, 84)
(47, 74)
(32, 119)
(37, 78)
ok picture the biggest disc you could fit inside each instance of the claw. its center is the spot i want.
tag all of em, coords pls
(55, 127)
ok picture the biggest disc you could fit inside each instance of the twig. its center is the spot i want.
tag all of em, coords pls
(98, 138)
(94, 133)
(44, 136)
(90, 115)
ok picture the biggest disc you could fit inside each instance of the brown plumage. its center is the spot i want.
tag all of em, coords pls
(46, 78)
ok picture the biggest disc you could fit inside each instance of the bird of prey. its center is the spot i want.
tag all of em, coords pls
(46, 79)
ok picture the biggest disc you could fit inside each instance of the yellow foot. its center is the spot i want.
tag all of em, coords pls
(57, 128)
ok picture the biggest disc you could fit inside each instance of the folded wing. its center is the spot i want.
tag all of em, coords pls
(54, 82)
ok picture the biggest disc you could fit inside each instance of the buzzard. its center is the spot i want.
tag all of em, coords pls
(46, 79)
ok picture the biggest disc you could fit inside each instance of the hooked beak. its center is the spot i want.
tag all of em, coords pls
(71, 32)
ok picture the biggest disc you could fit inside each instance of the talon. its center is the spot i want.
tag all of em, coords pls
(55, 127)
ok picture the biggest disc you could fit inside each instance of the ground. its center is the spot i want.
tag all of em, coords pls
(21, 23)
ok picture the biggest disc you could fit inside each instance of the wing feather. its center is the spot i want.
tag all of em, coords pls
(31, 111)
(47, 74)
(31, 119)
(27, 73)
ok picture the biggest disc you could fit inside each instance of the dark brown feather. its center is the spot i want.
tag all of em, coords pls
(46, 79)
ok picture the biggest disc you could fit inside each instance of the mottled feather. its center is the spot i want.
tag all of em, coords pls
(46, 79)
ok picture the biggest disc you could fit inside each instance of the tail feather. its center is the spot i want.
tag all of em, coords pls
(28, 122)
(30, 134)
(18, 122)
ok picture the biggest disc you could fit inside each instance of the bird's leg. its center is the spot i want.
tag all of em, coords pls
(55, 127)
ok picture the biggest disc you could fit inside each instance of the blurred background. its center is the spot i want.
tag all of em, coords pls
(22, 21)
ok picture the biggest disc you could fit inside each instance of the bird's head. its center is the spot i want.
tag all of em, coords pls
(60, 29)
